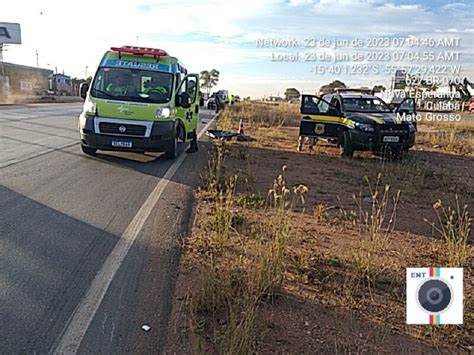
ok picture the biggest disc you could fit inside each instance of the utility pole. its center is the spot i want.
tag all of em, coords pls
(3, 69)
(86, 71)
(38, 78)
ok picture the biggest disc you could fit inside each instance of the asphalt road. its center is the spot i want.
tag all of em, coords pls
(66, 271)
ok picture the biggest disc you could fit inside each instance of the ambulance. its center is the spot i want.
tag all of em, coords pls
(140, 100)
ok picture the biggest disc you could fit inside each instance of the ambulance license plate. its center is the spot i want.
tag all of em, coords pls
(391, 139)
(122, 144)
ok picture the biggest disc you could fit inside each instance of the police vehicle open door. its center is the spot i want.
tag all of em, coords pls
(320, 119)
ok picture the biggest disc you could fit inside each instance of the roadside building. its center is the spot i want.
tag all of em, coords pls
(22, 80)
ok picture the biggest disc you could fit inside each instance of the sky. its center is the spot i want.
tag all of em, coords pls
(73, 35)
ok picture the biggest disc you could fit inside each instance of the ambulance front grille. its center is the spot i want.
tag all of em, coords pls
(122, 129)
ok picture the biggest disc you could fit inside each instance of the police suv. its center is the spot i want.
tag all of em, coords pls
(355, 119)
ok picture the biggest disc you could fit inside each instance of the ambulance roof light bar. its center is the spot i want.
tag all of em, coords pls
(140, 51)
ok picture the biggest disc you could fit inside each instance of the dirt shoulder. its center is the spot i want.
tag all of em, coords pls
(280, 260)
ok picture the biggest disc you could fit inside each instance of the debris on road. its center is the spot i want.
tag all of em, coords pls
(245, 138)
(219, 134)
(228, 135)
(146, 327)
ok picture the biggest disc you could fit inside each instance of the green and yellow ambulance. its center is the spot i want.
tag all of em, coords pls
(141, 99)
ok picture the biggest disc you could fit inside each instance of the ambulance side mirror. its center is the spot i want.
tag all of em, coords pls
(83, 89)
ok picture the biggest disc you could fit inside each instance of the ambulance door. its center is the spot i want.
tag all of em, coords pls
(187, 104)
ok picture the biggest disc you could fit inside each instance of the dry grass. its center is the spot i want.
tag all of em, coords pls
(213, 181)
(415, 177)
(451, 136)
(460, 143)
(465, 125)
(244, 261)
(257, 243)
(260, 114)
(454, 227)
(374, 219)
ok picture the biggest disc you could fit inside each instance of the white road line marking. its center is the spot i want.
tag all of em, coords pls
(75, 330)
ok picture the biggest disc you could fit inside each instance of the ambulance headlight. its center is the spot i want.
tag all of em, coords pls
(163, 112)
(90, 107)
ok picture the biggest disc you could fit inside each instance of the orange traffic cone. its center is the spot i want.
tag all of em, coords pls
(241, 127)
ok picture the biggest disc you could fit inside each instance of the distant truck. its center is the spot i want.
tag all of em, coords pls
(60, 84)
(219, 98)
(223, 93)
(212, 102)
(141, 99)
(224, 96)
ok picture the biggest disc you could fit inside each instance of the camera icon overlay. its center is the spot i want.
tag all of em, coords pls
(434, 295)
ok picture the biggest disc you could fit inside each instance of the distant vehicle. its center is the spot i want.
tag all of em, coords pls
(60, 84)
(211, 103)
(224, 96)
(274, 99)
(218, 98)
(357, 120)
(141, 99)
(470, 107)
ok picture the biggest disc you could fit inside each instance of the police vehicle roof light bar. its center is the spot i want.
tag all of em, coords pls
(364, 91)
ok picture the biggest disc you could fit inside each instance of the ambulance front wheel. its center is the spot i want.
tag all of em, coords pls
(172, 152)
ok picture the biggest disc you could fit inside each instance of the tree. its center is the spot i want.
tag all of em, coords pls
(378, 88)
(209, 79)
(291, 93)
(205, 77)
(331, 87)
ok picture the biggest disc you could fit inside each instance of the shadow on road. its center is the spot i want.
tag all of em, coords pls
(47, 261)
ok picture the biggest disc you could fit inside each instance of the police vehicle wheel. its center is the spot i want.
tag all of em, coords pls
(347, 149)
(88, 151)
(172, 153)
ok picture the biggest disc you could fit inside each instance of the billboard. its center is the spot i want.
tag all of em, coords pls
(10, 33)
(400, 79)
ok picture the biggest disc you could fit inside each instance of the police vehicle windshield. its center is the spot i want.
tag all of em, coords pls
(368, 105)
